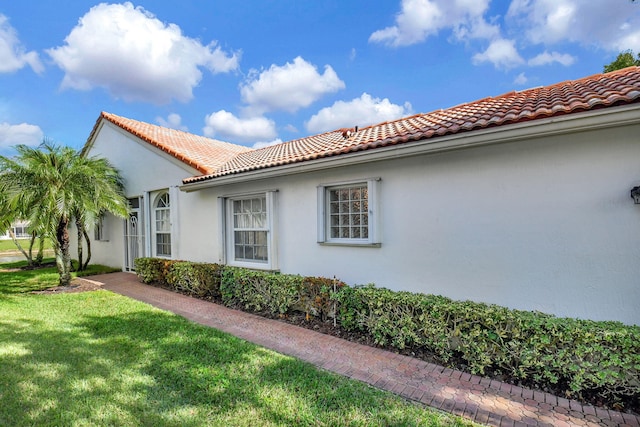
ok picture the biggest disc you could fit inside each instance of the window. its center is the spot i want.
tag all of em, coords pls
(163, 225)
(20, 231)
(99, 230)
(348, 213)
(249, 231)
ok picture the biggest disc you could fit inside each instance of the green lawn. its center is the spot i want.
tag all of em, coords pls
(8, 245)
(97, 358)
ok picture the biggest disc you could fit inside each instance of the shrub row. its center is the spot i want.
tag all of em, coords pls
(537, 348)
(578, 355)
(239, 287)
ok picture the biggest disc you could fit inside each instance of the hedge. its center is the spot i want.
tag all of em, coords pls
(536, 348)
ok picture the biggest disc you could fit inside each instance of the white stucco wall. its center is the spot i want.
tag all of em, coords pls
(540, 224)
(544, 224)
(147, 172)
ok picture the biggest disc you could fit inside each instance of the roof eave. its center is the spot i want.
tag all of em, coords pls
(555, 125)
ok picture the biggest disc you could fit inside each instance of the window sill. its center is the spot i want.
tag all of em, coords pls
(252, 266)
(353, 245)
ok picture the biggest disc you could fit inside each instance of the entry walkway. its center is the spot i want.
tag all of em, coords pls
(480, 399)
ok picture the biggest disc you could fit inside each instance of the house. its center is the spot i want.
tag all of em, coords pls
(19, 229)
(521, 200)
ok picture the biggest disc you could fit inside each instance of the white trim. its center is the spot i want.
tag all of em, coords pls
(140, 242)
(153, 220)
(125, 243)
(570, 123)
(174, 218)
(272, 218)
(321, 189)
(222, 241)
(146, 217)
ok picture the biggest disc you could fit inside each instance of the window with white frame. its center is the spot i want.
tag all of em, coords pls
(20, 231)
(162, 213)
(348, 213)
(249, 231)
(100, 230)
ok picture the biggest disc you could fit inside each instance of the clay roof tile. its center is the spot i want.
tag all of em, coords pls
(203, 154)
(597, 91)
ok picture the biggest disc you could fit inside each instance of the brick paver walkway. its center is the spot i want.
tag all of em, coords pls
(480, 399)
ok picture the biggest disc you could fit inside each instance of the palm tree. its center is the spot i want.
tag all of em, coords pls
(86, 215)
(51, 183)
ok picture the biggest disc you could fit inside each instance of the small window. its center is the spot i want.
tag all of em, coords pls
(99, 230)
(348, 213)
(162, 210)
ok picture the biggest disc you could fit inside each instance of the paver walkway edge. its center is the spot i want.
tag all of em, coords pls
(477, 398)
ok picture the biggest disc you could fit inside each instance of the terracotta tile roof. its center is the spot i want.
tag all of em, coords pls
(589, 93)
(204, 154)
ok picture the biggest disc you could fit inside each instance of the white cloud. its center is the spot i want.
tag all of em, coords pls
(23, 133)
(173, 121)
(546, 58)
(520, 79)
(258, 145)
(289, 87)
(225, 125)
(291, 128)
(419, 19)
(362, 111)
(592, 24)
(502, 53)
(136, 57)
(13, 55)
(599, 23)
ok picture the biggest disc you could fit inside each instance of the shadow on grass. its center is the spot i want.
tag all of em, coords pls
(149, 367)
(14, 281)
(23, 281)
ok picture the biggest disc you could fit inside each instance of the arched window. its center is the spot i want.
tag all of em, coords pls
(162, 209)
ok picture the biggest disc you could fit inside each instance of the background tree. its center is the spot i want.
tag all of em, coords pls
(625, 59)
(52, 183)
(7, 218)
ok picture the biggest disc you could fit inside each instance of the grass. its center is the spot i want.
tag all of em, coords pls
(9, 246)
(24, 281)
(97, 358)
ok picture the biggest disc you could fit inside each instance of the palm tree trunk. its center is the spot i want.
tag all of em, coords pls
(15, 241)
(80, 228)
(32, 241)
(40, 255)
(86, 238)
(63, 258)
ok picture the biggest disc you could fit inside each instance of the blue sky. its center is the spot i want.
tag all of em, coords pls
(259, 72)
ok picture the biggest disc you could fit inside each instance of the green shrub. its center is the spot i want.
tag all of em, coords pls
(153, 270)
(602, 357)
(196, 279)
(259, 290)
